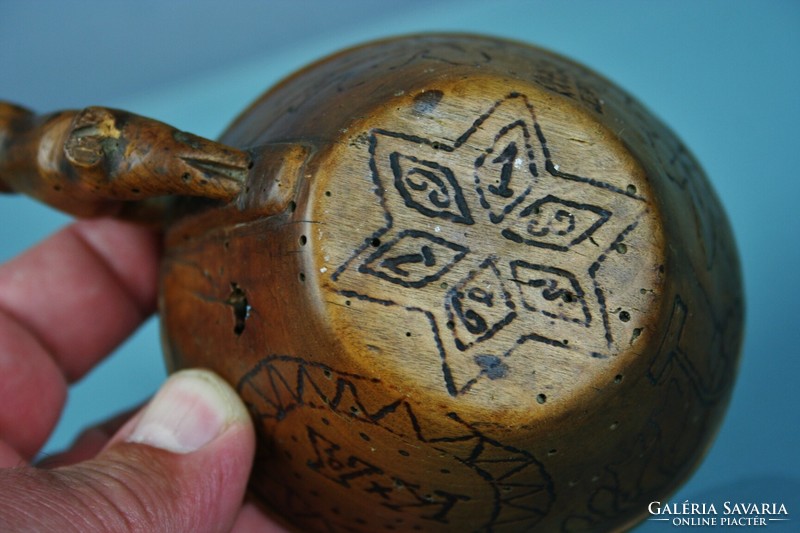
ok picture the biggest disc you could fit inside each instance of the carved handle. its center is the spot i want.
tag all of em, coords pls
(100, 162)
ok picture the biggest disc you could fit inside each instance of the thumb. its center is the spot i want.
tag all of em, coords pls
(181, 464)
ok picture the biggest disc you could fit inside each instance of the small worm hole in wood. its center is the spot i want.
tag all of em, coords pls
(541, 398)
(241, 309)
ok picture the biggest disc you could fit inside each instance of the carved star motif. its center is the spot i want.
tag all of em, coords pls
(444, 219)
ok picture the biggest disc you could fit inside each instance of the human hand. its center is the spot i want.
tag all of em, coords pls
(179, 464)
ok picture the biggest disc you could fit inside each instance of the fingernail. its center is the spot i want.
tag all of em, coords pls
(189, 411)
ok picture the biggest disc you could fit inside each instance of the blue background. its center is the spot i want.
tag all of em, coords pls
(723, 74)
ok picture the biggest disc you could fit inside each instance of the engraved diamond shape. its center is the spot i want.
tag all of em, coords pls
(556, 224)
(429, 187)
(478, 306)
(552, 291)
(414, 259)
(503, 173)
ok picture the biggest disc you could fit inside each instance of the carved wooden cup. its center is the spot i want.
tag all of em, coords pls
(462, 284)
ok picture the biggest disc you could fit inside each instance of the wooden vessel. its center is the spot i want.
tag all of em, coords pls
(463, 284)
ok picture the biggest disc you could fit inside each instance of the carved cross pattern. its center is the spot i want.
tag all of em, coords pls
(506, 244)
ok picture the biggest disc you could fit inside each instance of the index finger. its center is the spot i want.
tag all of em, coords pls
(83, 291)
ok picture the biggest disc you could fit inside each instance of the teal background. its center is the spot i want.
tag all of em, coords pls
(723, 74)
